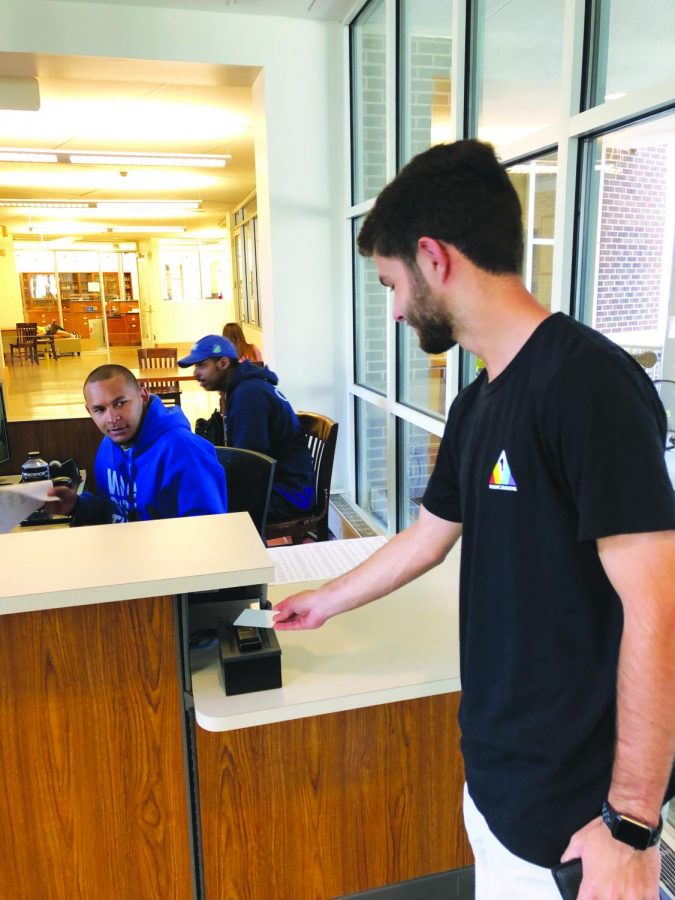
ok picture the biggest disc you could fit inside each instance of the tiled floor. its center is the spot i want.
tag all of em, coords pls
(53, 389)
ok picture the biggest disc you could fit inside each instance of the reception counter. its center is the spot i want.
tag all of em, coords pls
(128, 773)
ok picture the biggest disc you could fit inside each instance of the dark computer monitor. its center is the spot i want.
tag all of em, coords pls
(4, 436)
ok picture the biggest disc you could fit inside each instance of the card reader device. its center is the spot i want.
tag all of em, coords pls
(250, 658)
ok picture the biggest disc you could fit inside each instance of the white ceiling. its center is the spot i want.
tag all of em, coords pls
(127, 106)
(320, 10)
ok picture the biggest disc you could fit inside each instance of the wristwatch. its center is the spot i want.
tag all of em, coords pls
(630, 831)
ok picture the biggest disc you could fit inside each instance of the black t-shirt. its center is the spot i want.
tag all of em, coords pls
(565, 446)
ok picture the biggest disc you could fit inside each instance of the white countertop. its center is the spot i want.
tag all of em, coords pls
(399, 648)
(59, 567)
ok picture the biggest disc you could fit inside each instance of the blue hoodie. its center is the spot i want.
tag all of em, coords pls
(259, 417)
(168, 472)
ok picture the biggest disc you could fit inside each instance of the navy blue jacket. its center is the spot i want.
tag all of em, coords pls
(259, 417)
(168, 472)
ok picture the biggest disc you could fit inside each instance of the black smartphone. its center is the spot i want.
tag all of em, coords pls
(567, 877)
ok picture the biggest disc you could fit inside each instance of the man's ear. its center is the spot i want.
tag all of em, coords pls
(145, 394)
(434, 260)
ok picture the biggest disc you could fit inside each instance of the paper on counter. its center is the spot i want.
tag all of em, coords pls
(324, 559)
(17, 501)
(256, 618)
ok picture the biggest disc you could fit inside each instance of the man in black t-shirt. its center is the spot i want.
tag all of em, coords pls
(552, 470)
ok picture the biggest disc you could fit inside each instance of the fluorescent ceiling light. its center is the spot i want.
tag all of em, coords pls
(168, 229)
(107, 158)
(110, 206)
(10, 155)
(155, 159)
(64, 228)
(149, 205)
(47, 204)
(617, 95)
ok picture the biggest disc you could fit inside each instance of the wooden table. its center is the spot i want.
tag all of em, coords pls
(44, 339)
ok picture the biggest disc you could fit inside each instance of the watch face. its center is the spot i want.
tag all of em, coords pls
(633, 833)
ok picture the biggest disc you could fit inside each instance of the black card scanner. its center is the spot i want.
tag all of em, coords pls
(250, 658)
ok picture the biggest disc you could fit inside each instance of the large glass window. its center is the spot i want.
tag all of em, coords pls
(421, 375)
(632, 47)
(371, 461)
(597, 189)
(518, 64)
(417, 452)
(627, 284)
(535, 184)
(369, 101)
(370, 322)
(425, 61)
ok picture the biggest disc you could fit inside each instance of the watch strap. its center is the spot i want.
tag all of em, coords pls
(630, 831)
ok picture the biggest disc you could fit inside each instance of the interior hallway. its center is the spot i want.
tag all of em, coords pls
(53, 389)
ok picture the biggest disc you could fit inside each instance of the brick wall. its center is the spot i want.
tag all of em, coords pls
(633, 218)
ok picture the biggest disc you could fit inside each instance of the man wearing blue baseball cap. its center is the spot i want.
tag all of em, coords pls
(258, 417)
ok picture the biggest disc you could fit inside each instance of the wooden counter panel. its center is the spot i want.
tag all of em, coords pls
(55, 439)
(93, 800)
(329, 805)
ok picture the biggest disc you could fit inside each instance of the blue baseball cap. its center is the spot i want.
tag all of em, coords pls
(213, 346)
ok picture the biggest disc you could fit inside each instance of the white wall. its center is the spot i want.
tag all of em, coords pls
(11, 307)
(299, 158)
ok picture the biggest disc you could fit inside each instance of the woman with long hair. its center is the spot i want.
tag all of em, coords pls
(233, 332)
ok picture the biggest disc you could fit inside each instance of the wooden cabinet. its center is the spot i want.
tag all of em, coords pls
(124, 330)
(93, 801)
(78, 313)
(38, 291)
(393, 772)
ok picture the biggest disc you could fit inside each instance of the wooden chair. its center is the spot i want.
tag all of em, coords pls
(249, 476)
(160, 358)
(321, 439)
(26, 342)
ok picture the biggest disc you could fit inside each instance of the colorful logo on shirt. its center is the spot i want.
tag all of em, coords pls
(501, 478)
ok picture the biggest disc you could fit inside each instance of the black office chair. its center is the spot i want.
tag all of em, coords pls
(249, 477)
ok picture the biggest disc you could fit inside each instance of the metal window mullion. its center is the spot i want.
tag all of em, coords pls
(668, 245)
(419, 419)
(613, 114)
(566, 182)
(59, 304)
(529, 227)
(452, 376)
(391, 138)
(459, 75)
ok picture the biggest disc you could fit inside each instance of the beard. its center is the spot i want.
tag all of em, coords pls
(427, 315)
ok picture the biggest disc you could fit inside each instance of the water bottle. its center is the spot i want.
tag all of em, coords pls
(35, 468)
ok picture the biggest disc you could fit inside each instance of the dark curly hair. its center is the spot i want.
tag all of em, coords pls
(456, 193)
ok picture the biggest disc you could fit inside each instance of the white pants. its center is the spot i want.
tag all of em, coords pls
(499, 874)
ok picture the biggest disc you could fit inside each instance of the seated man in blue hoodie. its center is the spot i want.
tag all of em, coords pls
(150, 465)
(258, 417)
